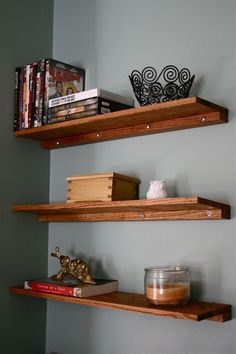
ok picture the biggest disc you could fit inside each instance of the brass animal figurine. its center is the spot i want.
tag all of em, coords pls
(75, 267)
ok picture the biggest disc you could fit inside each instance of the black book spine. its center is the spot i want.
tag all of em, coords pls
(16, 123)
(33, 103)
(41, 92)
(106, 106)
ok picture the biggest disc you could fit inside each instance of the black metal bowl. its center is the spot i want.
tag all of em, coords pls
(171, 84)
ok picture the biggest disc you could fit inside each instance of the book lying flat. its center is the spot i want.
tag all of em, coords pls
(72, 287)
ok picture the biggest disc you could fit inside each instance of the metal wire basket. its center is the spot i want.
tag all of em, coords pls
(171, 84)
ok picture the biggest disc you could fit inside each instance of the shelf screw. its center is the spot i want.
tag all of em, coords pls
(203, 119)
(148, 126)
(98, 134)
(57, 143)
(209, 213)
(141, 216)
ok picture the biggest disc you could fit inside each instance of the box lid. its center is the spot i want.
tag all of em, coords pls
(104, 175)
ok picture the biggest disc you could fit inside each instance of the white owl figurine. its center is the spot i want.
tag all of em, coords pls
(156, 190)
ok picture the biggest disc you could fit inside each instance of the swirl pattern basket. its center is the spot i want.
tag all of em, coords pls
(171, 84)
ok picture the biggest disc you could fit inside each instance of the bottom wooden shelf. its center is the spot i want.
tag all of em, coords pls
(194, 310)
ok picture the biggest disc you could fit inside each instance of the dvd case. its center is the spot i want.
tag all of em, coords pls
(97, 92)
(61, 79)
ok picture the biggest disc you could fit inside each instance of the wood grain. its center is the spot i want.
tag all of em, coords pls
(162, 117)
(101, 187)
(183, 208)
(195, 311)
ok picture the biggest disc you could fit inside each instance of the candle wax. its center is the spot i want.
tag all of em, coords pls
(168, 294)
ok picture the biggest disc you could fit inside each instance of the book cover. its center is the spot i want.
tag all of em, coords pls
(97, 92)
(72, 287)
(61, 79)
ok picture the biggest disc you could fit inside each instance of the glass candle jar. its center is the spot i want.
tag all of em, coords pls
(169, 286)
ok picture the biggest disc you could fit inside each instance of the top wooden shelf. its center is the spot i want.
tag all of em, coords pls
(186, 113)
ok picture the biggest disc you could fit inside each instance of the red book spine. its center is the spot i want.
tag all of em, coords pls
(52, 288)
(27, 88)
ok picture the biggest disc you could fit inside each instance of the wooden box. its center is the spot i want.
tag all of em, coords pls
(101, 187)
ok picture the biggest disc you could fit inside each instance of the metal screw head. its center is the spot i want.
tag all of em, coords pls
(209, 213)
(203, 119)
(97, 134)
(148, 126)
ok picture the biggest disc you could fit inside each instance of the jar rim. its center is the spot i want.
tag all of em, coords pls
(167, 269)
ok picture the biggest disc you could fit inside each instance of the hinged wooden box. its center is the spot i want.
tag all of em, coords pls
(101, 187)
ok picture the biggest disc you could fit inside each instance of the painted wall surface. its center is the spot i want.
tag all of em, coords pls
(109, 39)
(25, 36)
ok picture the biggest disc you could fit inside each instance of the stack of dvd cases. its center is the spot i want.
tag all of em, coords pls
(84, 104)
(37, 83)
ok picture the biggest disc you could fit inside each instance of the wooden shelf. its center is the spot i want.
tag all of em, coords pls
(175, 115)
(195, 311)
(191, 208)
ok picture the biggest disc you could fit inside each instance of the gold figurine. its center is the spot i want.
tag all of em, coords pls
(75, 267)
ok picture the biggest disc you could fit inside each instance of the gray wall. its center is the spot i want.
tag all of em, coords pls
(110, 38)
(25, 35)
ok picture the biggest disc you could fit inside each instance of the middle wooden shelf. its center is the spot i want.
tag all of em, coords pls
(182, 208)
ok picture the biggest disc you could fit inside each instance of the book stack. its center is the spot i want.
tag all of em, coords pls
(37, 83)
(84, 104)
(71, 287)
